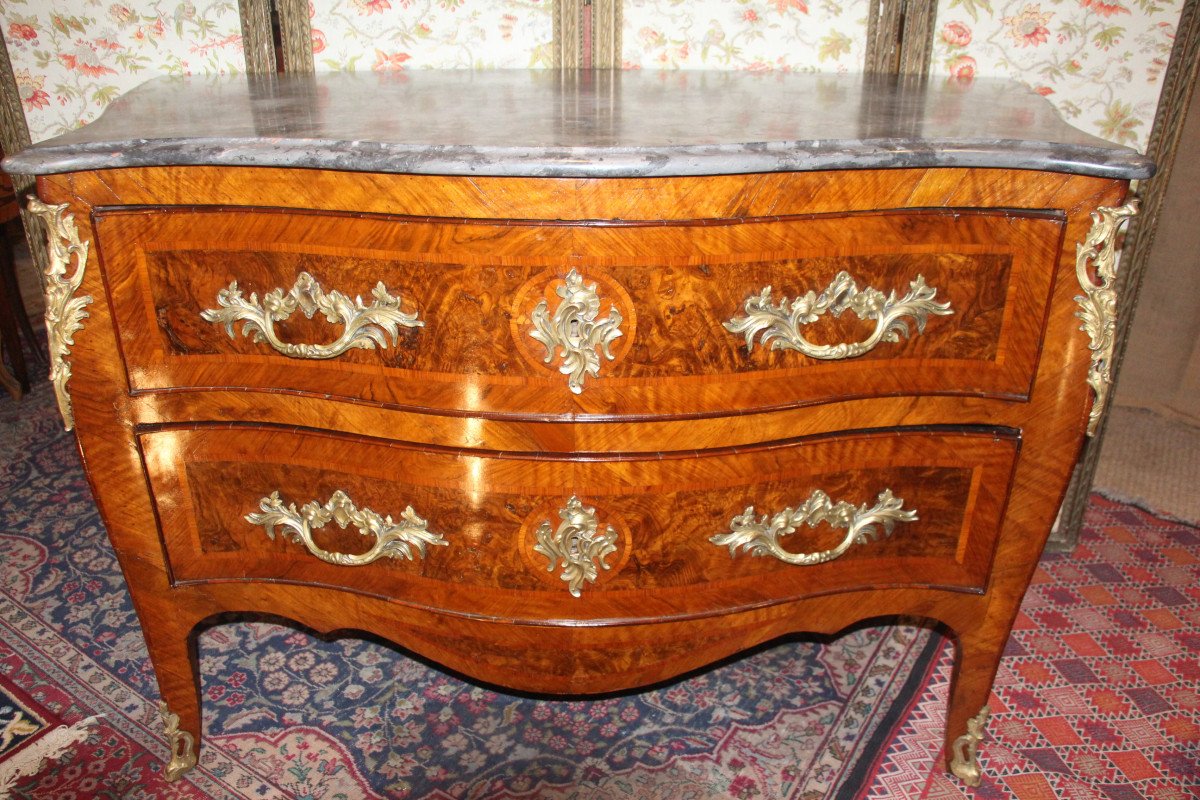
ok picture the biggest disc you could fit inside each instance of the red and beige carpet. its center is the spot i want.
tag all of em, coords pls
(1097, 697)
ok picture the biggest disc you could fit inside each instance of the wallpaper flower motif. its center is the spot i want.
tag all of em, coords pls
(1101, 63)
(790, 35)
(1029, 27)
(71, 58)
(404, 34)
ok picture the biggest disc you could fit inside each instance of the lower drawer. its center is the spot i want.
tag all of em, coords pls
(583, 538)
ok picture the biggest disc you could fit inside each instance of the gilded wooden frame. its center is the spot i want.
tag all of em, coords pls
(587, 33)
(258, 39)
(14, 136)
(900, 36)
(295, 34)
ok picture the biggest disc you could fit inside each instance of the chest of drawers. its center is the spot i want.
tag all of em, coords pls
(574, 383)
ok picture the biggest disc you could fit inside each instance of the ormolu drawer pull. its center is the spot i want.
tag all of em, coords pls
(574, 330)
(782, 321)
(365, 326)
(760, 536)
(391, 540)
(577, 544)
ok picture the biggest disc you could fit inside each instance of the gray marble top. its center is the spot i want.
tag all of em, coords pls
(580, 124)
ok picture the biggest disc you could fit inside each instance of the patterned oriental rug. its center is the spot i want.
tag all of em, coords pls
(1096, 699)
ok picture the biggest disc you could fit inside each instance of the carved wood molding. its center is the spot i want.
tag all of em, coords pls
(884, 30)
(568, 34)
(916, 40)
(606, 33)
(900, 36)
(295, 32)
(257, 40)
(1173, 103)
(587, 33)
(14, 132)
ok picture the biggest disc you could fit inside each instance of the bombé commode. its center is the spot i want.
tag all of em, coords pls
(540, 374)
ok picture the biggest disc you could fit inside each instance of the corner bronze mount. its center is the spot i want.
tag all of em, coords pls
(1098, 304)
(65, 312)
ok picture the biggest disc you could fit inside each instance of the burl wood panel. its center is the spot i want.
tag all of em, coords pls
(663, 507)
(476, 284)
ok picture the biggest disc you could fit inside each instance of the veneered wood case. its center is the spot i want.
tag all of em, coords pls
(605, 431)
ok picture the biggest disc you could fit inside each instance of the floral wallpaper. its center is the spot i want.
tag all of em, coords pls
(1101, 63)
(403, 34)
(793, 35)
(71, 58)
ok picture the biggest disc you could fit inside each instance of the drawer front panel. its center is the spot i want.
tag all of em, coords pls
(544, 320)
(481, 529)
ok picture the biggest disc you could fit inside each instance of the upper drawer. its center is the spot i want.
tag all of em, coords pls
(547, 319)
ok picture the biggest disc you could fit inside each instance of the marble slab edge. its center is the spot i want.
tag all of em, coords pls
(583, 162)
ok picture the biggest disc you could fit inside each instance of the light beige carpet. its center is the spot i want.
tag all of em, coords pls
(1152, 461)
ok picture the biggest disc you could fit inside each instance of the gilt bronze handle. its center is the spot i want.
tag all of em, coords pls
(365, 327)
(759, 536)
(781, 323)
(392, 540)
